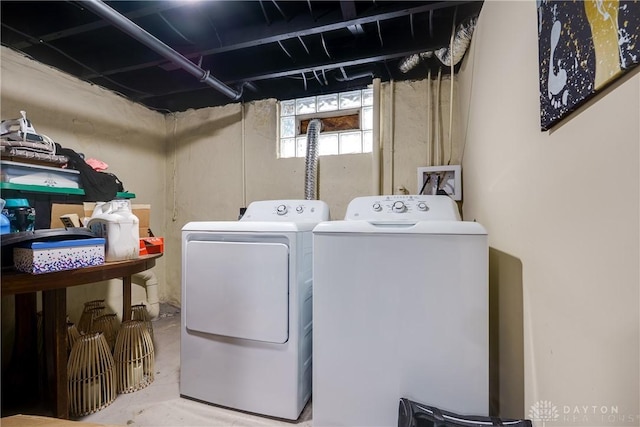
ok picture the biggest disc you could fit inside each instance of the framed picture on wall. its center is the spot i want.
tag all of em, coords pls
(583, 46)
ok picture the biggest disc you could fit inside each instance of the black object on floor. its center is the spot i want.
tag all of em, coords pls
(413, 414)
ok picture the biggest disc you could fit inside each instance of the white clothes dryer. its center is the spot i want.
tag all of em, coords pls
(400, 301)
(247, 308)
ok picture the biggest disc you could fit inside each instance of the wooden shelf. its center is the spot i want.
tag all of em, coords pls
(24, 188)
(14, 282)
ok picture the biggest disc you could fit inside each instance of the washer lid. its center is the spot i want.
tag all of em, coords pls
(399, 227)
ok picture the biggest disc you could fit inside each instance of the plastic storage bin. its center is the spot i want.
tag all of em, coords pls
(28, 174)
(46, 257)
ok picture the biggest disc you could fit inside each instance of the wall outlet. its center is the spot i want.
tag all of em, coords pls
(444, 178)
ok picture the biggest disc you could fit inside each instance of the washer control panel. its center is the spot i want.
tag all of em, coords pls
(287, 210)
(401, 208)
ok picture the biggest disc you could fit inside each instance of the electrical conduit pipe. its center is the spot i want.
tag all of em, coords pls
(375, 151)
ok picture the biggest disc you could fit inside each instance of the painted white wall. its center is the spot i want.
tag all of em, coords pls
(221, 159)
(564, 205)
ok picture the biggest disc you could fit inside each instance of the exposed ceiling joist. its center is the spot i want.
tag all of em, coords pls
(290, 49)
(156, 8)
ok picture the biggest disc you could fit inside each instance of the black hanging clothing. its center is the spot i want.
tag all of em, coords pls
(97, 186)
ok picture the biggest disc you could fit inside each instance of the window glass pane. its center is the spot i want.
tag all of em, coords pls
(328, 102)
(367, 118)
(294, 145)
(287, 127)
(328, 144)
(306, 105)
(350, 99)
(367, 97)
(301, 146)
(288, 147)
(288, 108)
(350, 142)
(367, 141)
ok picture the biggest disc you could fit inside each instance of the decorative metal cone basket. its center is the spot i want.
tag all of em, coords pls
(72, 336)
(94, 303)
(134, 357)
(139, 312)
(109, 325)
(91, 382)
(92, 310)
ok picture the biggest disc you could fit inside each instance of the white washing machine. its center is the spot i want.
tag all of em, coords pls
(400, 309)
(247, 308)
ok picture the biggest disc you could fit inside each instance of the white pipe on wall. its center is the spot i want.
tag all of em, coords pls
(148, 280)
(391, 133)
(429, 123)
(451, 48)
(375, 152)
(451, 118)
(244, 172)
(438, 143)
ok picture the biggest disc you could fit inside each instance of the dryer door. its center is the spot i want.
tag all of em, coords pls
(238, 289)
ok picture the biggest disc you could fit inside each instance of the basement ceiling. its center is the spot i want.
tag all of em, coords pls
(256, 49)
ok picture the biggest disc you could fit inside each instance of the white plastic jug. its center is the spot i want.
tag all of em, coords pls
(119, 226)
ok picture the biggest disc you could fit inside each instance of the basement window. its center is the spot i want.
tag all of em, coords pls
(347, 123)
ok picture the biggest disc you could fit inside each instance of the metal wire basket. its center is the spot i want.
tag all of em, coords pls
(139, 312)
(134, 357)
(72, 336)
(91, 382)
(109, 325)
(92, 310)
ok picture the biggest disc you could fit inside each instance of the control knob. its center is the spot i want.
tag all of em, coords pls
(281, 209)
(398, 207)
(422, 206)
(377, 207)
(300, 209)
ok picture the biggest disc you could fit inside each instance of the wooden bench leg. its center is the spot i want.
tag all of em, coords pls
(126, 298)
(54, 307)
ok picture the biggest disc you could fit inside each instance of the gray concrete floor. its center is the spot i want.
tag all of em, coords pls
(160, 404)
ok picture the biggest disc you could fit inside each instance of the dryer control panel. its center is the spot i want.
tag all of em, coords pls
(287, 210)
(400, 208)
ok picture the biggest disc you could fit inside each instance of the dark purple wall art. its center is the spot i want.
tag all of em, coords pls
(583, 46)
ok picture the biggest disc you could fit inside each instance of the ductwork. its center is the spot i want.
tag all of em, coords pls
(138, 33)
(408, 63)
(311, 161)
(459, 46)
(453, 54)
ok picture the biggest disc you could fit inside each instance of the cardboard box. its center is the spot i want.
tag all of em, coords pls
(60, 209)
(84, 210)
(46, 257)
(37, 421)
(143, 212)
